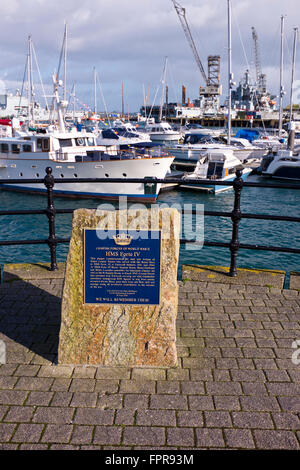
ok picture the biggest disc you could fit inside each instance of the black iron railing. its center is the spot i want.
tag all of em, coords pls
(236, 214)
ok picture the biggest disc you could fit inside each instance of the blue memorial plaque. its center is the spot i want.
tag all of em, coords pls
(123, 268)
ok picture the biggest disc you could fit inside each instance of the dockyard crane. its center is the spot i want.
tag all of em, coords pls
(182, 17)
(260, 77)
(212, 87)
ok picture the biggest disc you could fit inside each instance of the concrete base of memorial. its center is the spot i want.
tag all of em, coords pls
(121, 334)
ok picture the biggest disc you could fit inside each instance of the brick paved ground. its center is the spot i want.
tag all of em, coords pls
(235, 387)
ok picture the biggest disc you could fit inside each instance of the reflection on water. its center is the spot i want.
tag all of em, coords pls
(254, 200)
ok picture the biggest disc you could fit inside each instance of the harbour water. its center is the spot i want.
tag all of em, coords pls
(254, 200)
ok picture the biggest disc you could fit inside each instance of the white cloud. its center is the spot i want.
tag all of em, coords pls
(127, 40)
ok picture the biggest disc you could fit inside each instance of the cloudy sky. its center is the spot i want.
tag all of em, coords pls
(127, 40)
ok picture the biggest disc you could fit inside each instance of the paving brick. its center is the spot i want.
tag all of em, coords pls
(180, 437)
(209, 438)
(61, 385)
(200, 402)
(173, 402)
(275, 440)
(144, 435)
(7, 383)
(7, 369)
(277, 376)
(223, 388)
(34, 383)
(12, 397)
(289, 403)
(137, 386)
(53, 415)
(252, 420)
(39, 398)
(58, 433)
(6, 431)
(239, 439)
(3, 411)
(227, 402)
(259, 403)
(177, 374)
(113, 373)
(84, 399)
(56, 371)
(34, 447)
(156, 418)
(93, 416)
(286, 389)
(190, 418)
(110, 402)
(167, 386)
(107, 435)
(61, 399)
(84, 372)
(136, 401)
(26, 370)
(19, 414)
(148, 374)
(288, 421)
(217, 419)
(198, 375)
(254, 388)
(125, 417)
(82, 435)
(82, 385)
(107, 386)
(192, 388)
(28, 433)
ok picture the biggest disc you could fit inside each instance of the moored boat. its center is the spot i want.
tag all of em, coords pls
(216, 165)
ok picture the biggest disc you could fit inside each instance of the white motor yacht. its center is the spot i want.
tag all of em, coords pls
(75, 154)
(284, 165)
(215, 165)
(162, 132)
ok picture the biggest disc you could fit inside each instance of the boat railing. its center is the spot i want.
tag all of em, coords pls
(236, 215)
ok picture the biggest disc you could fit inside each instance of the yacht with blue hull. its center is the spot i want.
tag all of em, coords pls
(215, 166)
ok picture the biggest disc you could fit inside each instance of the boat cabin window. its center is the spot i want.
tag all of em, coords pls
(65, 142)
(4, 148)
(90, 141)
(215, 170)
(15, 148)
(45, 145)
(109, 134)
(80, 141)
(27, 148)
(42, 144)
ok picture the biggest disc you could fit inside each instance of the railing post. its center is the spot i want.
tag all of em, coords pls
(236, 217)
(51, 212)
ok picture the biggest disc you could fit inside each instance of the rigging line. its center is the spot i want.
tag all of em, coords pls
(241, 39)
(39, 73)
(24, 78)
(153, 101)
(157, 89)
(103, 99)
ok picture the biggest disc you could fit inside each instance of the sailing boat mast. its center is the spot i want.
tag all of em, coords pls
(230, 75)
(95, 91)
(281, 87)
(30, 83)
(65, 63)
(163, 81)
(293, 73)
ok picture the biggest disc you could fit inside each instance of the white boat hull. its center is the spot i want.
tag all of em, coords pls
(20, 169)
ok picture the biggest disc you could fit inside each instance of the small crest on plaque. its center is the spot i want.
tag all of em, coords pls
(122, 239)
